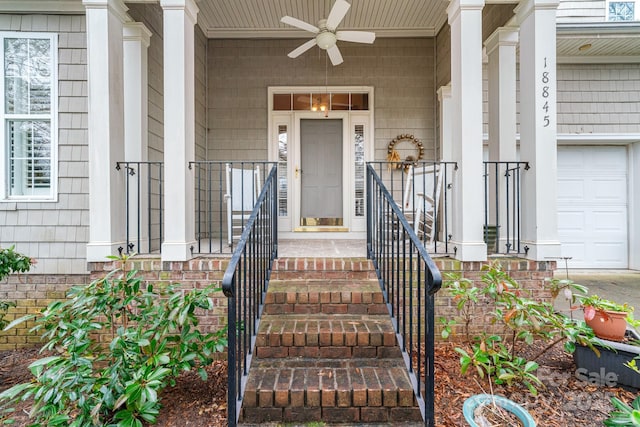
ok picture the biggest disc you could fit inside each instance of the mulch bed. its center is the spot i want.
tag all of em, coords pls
(566, 401)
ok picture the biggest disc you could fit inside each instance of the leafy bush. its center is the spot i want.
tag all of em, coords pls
(117, 343)
(11, 262)
(523, 320)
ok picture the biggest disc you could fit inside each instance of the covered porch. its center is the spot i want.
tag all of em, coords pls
(214, 102)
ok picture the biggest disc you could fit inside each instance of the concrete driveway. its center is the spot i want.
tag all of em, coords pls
(618, 285)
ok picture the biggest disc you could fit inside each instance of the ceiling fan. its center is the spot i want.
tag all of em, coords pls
(326, 33)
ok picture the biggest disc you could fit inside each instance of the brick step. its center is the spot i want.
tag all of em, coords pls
(330, 296)
(326, 336)
(329, 391)
(322, 268)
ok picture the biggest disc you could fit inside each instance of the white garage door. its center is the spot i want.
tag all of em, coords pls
(592, 206)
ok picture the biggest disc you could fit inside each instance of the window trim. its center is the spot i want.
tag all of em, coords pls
(636, 16)
(52, 116)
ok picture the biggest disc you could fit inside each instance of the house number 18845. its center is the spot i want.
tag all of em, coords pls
(545, 95)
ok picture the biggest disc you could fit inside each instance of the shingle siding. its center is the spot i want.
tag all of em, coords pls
(599, 98)
(35, 227)
(402, 71)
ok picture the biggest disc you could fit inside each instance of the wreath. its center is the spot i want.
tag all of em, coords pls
(393, 157)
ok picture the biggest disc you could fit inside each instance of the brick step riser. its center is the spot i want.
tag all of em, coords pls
(324, 275)
(363, 395)
(284, 309)
(328, 352)
(332, 415)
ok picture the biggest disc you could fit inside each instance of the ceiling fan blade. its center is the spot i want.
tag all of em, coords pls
(302, 48)
(356, 36)
(334, 55)
(338, 11)
(295, 22)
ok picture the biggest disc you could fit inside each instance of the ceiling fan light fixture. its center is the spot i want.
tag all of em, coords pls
(326, 40)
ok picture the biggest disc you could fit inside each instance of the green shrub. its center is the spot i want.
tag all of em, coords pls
(522, 319)
(117, 343)
(11, 262)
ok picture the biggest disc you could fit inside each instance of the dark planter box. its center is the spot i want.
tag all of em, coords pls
(609, 368)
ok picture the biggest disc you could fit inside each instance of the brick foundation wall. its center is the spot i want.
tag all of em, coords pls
(34, 292)
(531, 275)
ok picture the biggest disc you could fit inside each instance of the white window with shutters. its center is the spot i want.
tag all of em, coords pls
(28, 126)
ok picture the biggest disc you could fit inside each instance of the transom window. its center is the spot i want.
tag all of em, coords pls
(28, 84)
(322, 101)
(621, 10)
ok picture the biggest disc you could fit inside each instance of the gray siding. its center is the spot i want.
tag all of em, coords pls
(201, 94)
(599, 98)
(402, 71)
(55, 233)
(151, 16)
(592, 99)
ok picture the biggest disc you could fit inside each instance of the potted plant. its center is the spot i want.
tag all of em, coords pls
(607, 318)
(489, 409)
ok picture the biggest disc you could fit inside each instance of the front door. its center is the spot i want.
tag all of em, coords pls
(321, 192)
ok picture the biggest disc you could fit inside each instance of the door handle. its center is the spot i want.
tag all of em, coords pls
(298, 170)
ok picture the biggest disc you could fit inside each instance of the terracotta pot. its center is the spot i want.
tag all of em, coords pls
(609, 325)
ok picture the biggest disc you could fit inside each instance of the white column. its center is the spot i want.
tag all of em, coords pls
(465, 19)
(501, 52)
(538, 134)
(446, 128)
(136, 140)
(104, 21)
(179, 128)
(444, 109)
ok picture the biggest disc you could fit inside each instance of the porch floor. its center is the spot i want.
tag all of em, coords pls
(322, 248)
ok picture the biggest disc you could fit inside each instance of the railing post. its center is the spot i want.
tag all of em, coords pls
(231, 359)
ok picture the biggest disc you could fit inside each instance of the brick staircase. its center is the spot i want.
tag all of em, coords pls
(326, 349)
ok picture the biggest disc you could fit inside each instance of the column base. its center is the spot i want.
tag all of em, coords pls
(470, 251)
(177, 251)
(542, 251)
(99, 251)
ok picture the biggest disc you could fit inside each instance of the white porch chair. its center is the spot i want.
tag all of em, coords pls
(421, 199)
(243, 188)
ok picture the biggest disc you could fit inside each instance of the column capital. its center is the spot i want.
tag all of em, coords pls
(526, 7)
(444, 92)
(136, 31)
(189, 6)
(503, 36)
(455, 6)
(116, 6)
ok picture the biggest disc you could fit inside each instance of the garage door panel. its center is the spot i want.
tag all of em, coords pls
(571, 221)
(610, 255)
(611, 222)
(592, 206)
(575, 250)
(570, 189)
(613, 190)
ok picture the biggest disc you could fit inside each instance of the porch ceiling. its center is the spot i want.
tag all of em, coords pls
(599, 43)
(261, 18)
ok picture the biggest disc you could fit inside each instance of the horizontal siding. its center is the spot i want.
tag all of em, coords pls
(585, 11)
(400, 70)
(56, 233)
(592, 98)
(599, 98)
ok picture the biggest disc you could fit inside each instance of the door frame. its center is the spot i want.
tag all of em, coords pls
(288, 226)
(296, 153)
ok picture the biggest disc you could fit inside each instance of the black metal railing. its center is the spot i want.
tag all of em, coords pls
(409, 279)
(502, 203)
(423, 191)
(144, 184)
(245, 284)
(225, 195)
